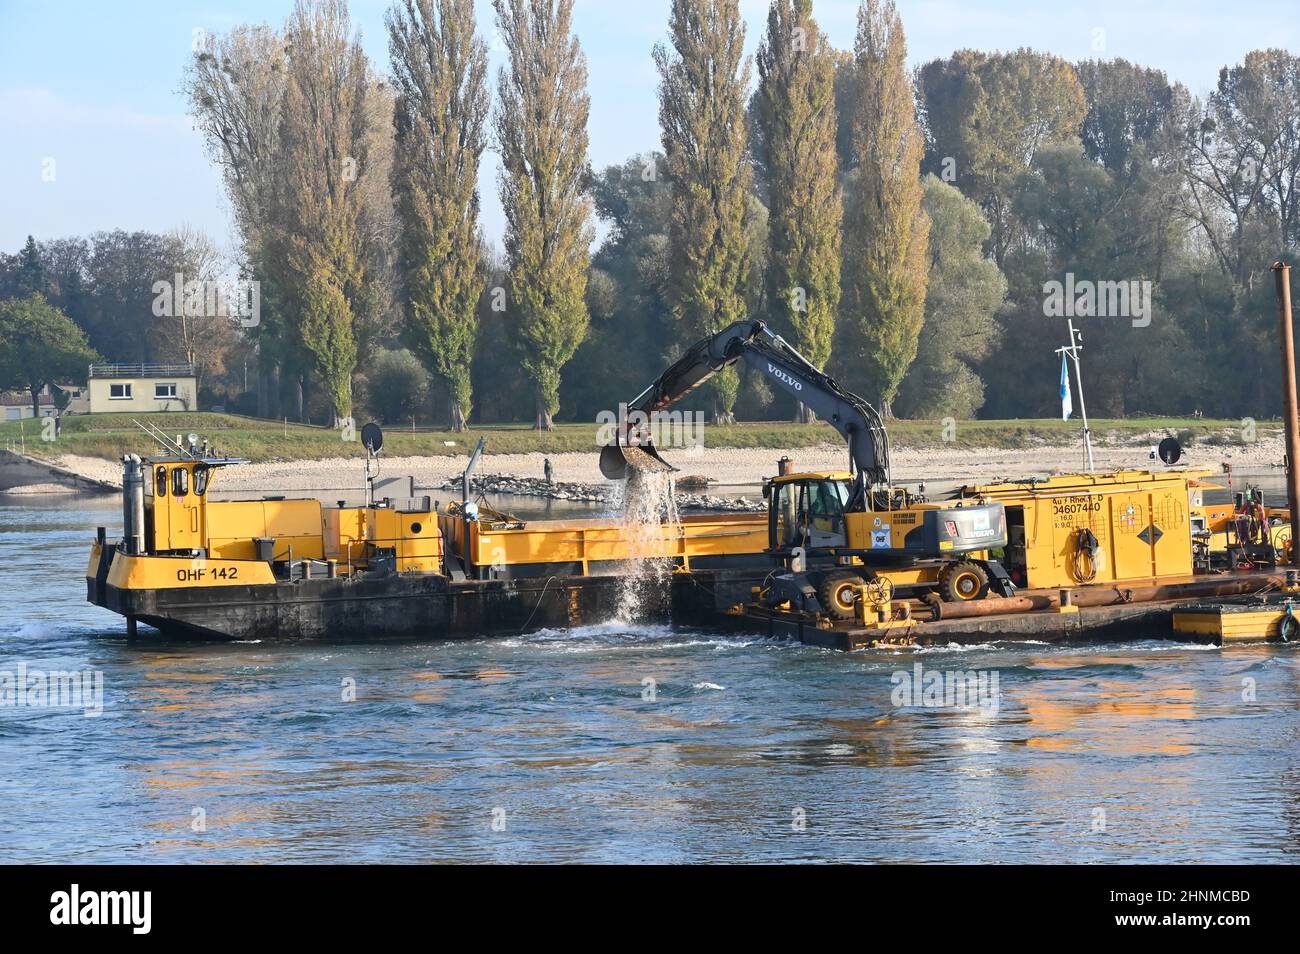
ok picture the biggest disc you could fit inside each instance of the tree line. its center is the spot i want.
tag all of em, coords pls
(902, 228)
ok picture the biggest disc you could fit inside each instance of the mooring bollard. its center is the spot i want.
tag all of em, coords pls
(333, 569)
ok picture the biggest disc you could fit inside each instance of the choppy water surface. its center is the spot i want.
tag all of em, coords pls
(1141, 751)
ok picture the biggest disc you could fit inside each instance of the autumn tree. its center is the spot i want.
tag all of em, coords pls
(235, 85)
(703, 79)
(987, 115)
(379, 314)
(318, 246)
(886, 229)
(1241, 165)
(1258, 101)
(965, 291)
(1128, 107)
(193, 333)
(440, 74)
(541, 133)
(396, 383)
(39, 345)
(1135, 127)
(121, 272)
(795, 130)
(632, 332)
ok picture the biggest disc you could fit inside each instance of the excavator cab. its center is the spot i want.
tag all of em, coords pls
(808, 510)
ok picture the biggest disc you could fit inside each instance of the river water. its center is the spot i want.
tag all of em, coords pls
(623, 742)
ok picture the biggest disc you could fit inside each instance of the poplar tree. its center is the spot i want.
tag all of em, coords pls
(704, 75)
(541, 133)
(235, 85)
(440, 76)
(886, 231)
(323, 149)
(795, 120)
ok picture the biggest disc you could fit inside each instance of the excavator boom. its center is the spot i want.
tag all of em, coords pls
(770, 355)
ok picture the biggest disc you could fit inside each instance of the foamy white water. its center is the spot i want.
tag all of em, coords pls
(648, 510)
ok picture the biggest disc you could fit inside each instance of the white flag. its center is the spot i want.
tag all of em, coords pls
(1067, 402)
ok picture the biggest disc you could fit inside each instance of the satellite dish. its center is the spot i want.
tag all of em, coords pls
(1170, 450)
(372, 438)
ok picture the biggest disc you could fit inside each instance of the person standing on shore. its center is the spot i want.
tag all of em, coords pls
(548, 471)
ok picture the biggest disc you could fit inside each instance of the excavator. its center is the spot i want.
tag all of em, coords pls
(830, 531)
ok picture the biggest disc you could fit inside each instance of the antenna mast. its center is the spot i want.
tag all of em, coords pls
(1072, 352)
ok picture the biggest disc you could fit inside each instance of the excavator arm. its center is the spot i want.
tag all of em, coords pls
(771, 356)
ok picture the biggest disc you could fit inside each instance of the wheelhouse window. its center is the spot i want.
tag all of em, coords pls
(180, 481)
(164, 390)
(201, 472)
(119, 392)
(161, 481)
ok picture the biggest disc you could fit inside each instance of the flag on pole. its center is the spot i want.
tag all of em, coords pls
(1067, 402)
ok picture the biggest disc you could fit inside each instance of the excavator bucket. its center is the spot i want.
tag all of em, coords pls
(617, 460)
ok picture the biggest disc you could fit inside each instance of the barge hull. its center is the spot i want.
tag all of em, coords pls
(396, 607)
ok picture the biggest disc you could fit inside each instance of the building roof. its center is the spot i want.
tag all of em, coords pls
(23, 399)
(142, 370)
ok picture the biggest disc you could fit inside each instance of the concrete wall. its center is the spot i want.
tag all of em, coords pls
(16, 470)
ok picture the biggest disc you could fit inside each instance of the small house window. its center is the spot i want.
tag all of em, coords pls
(180, 481)
(119, 392)
(164, 390)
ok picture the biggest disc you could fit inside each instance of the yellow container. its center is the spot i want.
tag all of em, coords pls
(413, 536)
(233, 525)
(1140, 519)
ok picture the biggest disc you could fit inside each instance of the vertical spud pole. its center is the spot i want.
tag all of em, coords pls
(1282, 277)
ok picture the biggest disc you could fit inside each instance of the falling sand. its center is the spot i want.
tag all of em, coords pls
(649, 516)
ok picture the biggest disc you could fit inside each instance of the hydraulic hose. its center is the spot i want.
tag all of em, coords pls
(1085, 550)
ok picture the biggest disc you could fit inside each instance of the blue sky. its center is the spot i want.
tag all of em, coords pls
(93, 85)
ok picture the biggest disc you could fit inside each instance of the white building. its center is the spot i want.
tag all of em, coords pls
(142, 388)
